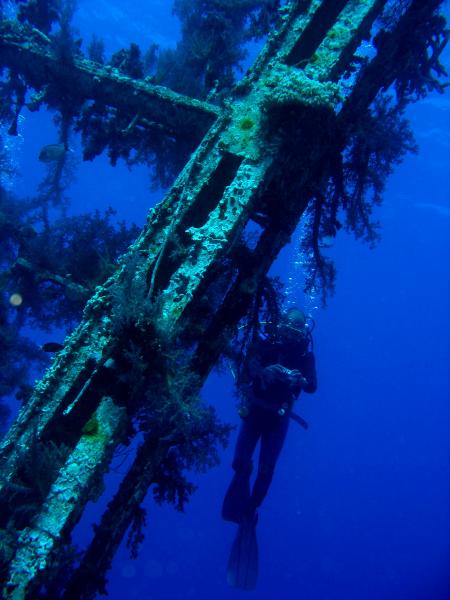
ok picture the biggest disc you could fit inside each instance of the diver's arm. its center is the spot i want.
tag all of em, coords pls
(308, 371)
(272, 374)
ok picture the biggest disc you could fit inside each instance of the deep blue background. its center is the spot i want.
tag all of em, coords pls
(360, 505)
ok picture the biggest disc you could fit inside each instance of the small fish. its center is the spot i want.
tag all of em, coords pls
(52, 347)
(52, 152)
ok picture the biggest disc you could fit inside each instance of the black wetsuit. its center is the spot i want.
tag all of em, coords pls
(264, 421)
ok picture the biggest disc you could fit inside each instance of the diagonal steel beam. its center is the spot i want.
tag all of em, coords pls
(34, 56)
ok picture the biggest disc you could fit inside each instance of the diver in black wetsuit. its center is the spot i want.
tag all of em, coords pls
(277, 369)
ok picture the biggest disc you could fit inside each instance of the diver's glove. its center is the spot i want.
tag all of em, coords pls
(272, 374)
(278, 373)
(296, 379)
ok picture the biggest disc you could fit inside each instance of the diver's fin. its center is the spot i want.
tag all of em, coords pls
(242, 571)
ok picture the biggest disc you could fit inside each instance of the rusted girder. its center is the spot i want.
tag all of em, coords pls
(28, 53)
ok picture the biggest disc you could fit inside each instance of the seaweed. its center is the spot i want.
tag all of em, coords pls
(136, 532)
(47, 273)
(96, 50)
(380, 138)
(213, 44)
(30, 486)
(129, 61)
(424, 35)
(42, 14)
(191, 435)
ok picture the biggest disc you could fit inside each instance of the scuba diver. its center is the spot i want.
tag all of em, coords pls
(276, 369)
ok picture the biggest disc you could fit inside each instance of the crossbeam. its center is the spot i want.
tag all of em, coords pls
(34, 56)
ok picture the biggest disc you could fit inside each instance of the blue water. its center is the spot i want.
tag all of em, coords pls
(359, 508)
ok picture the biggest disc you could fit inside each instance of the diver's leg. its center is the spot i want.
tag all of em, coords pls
(238, 493)
(272, 440)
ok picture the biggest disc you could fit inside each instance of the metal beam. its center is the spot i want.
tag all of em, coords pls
(26, 52)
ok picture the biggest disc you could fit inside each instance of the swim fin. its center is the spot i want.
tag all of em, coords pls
(242, 571)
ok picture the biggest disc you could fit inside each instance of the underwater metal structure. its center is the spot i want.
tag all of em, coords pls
(151, 334)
